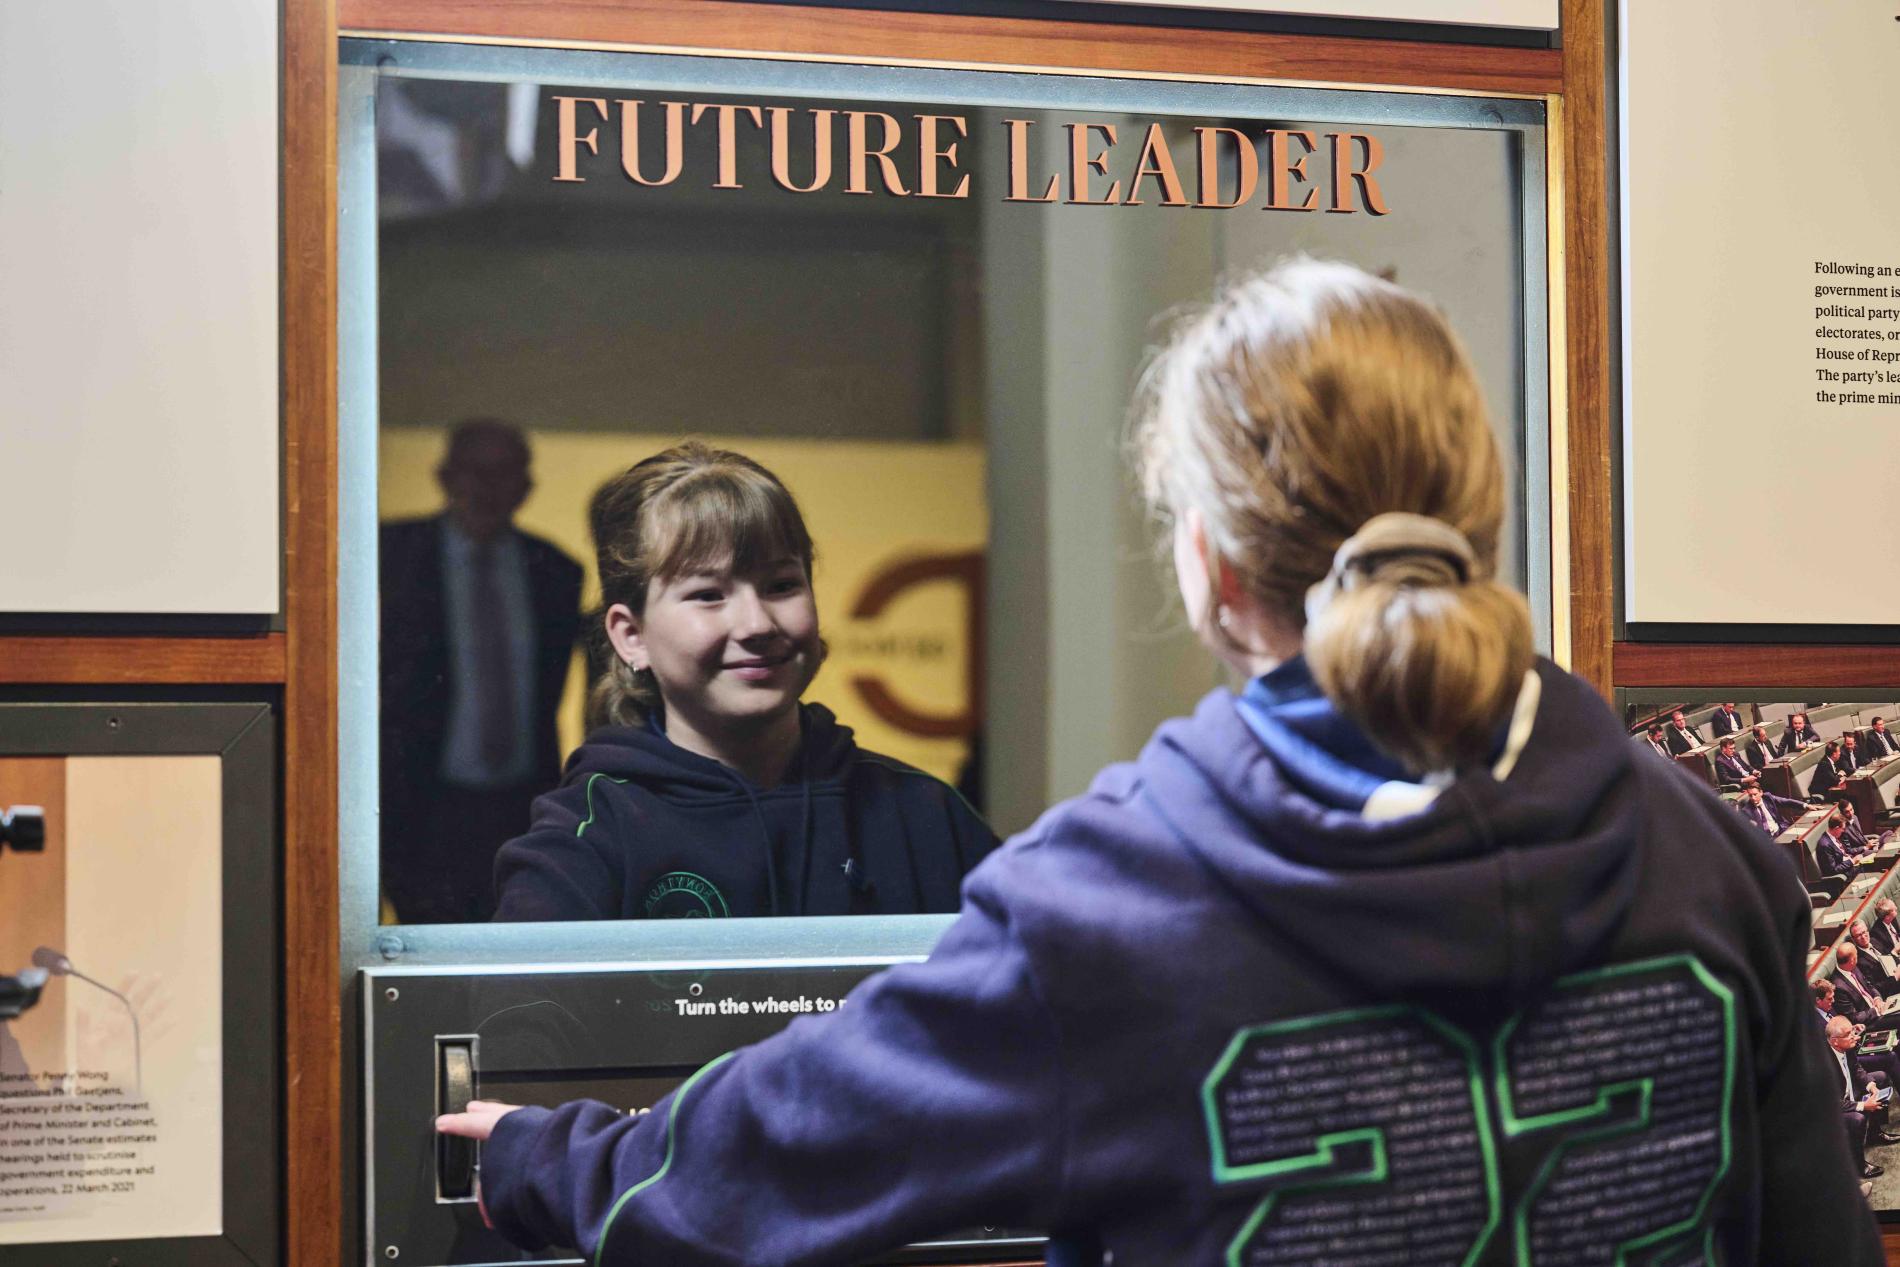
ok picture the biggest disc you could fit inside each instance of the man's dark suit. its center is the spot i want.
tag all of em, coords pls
(1758, 753)
(1849, 1003)
(1725, 723)
(1774, 815)
(1730, 768)
(1885, 935)
(1826, 774)
(1680, 741)
(1847, 762)
(1879, 743)
(1830, 858)
(1861, 1124)
(1876, 977)
(1792, 742)
(430, 878)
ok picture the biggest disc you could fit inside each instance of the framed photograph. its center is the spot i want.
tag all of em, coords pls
(139, 1110)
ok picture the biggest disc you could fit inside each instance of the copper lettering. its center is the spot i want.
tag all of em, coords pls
(1081, 163)
(821, 129)
(630, 143)
(859, 152)
(570, 139)
(1344, 173)
(1247, 177)
(1156, 163)
(929, 155)
(1281, 165)
(727, 123)
(1019, 165)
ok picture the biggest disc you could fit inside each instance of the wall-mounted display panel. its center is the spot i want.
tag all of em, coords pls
(139, 337)
(1761, 321)
(138, 1092)
(1818, 777)
(922, 297)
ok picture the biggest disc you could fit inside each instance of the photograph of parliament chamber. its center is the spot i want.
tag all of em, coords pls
(329, 328)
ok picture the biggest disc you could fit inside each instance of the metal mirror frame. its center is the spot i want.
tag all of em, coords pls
(845, 939)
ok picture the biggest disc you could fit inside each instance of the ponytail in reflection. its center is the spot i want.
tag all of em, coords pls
(688, 508)
(1329, 429)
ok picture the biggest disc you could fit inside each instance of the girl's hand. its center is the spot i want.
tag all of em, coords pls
(477, 1122)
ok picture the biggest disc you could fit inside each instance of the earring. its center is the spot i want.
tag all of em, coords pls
(1223, 615)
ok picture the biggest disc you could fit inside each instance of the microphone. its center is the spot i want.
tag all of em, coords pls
(58, 965)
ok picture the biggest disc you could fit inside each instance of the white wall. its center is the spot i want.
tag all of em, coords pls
(1751, 154)
(139, 427)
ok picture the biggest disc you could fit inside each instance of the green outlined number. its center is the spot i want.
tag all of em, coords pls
(1402, 1160)
(1369, 1133)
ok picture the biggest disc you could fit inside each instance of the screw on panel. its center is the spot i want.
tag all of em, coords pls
(390, 996)
(389, 946)
(390, 1251)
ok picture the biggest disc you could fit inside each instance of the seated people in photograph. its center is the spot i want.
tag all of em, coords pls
(1797, 736)
(1857, 840)
(714, 791)
(1832, 854)
(1773, 814)
(1848, 760)
(1880, 741)
(1863, 1112)
(1759, 750)
(1886, 929)
(1878, 968)
(1856, 998)
(1653, 740)
(1726, 721)
(478, 627)
(1729, 766)
(1826, 775)
(1681, 735)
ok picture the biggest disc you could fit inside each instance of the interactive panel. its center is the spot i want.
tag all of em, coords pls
(626, 1036)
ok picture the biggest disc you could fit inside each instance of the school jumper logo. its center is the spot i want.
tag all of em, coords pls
(683, 895)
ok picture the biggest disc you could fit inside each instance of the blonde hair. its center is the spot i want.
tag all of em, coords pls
(682, 510)
(1302, 403)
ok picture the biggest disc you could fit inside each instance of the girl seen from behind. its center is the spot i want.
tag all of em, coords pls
(1398, 954)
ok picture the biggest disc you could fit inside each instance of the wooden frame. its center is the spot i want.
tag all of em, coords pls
(303, 659)
(313, 989)
(929, 38)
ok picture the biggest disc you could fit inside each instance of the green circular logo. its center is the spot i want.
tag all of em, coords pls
(683, 895)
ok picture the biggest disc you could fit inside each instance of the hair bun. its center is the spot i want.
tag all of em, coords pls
(1399, 548)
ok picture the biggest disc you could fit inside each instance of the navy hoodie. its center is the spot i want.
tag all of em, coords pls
(1211, 1012)
(640, 828)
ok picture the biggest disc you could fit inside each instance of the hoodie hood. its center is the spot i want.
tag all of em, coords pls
(1485, 889)
(644, 755)
(642, 828)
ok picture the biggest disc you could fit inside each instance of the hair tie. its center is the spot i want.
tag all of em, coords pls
(1397, 547)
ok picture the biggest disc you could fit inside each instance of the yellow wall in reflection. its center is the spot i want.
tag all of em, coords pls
(869, 506)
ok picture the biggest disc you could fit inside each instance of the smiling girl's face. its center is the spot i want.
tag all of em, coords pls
(729, 649)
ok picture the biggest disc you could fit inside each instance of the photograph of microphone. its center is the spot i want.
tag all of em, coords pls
(53, 962)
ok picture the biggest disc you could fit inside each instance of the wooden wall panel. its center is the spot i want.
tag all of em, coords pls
(312, 955)
(164, 661)
(1587, 322)
(727, 25)
(1831, 666)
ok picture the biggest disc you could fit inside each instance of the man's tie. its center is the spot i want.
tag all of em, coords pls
(494, 677)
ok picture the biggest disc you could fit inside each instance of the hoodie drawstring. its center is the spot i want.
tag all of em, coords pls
(765, 837)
